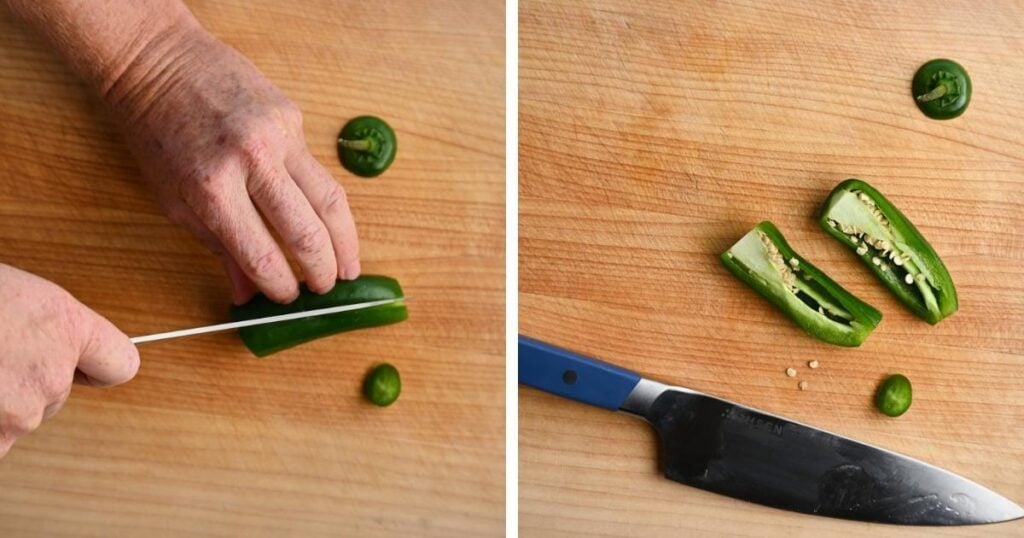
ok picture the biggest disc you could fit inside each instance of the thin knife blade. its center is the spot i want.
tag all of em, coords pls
(734, 450)
(261, 321)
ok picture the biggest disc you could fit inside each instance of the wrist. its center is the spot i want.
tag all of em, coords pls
(144, 72)
(101, 41)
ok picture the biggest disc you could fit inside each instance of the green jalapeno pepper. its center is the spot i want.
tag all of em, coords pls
(367, 146)
(382, 385)
(819, 305)
(894, 395)
(941, 89)
(861, 218)
(263, 340)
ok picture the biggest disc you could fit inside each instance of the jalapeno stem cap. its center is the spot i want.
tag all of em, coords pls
(367, 146)
(941, 89)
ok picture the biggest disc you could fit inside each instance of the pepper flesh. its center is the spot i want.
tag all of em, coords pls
(264, 340)
(765, 261)
(863, 219)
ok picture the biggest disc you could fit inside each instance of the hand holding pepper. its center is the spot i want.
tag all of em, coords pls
(219, 144)
(48, 339)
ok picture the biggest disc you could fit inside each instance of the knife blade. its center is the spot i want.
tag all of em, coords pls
(262, 321)
(735, 450)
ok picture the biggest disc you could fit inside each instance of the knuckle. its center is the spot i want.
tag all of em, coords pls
(253, 151)
(312, 238)
(55, 386)
(263, 188)
(203, 188)
(210, 186)
(17, 423)
(335, 199)
(262, 264)
(291, 112)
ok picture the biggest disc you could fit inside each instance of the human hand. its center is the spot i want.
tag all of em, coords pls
(48, 339)
(222, 146)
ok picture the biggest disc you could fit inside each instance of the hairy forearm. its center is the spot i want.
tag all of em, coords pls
(105, 40)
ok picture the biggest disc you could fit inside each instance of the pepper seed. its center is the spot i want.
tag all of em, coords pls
(812, 364)
(908, 279)
(791, 372)
(876, 261)
(802, 385)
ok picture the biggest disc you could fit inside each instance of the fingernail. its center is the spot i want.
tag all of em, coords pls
(134, 362)
(351, 271)
(52, 408)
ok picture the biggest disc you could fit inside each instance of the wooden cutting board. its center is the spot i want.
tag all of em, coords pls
(653, 135)
(208, 440)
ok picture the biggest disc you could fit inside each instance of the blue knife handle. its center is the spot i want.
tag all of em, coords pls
(562, 372)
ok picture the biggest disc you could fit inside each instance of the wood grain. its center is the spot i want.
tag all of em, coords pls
(208, 440)
(653, 135)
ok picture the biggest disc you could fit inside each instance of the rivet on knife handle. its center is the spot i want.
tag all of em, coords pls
(562, 372)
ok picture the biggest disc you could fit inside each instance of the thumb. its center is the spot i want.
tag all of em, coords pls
(108, 357)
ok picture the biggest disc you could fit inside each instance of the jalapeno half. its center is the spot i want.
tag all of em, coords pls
(861, 218)
(764, 260)
(264, 340)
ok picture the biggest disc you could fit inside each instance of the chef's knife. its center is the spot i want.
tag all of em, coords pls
(262, 321)
(727, 448)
